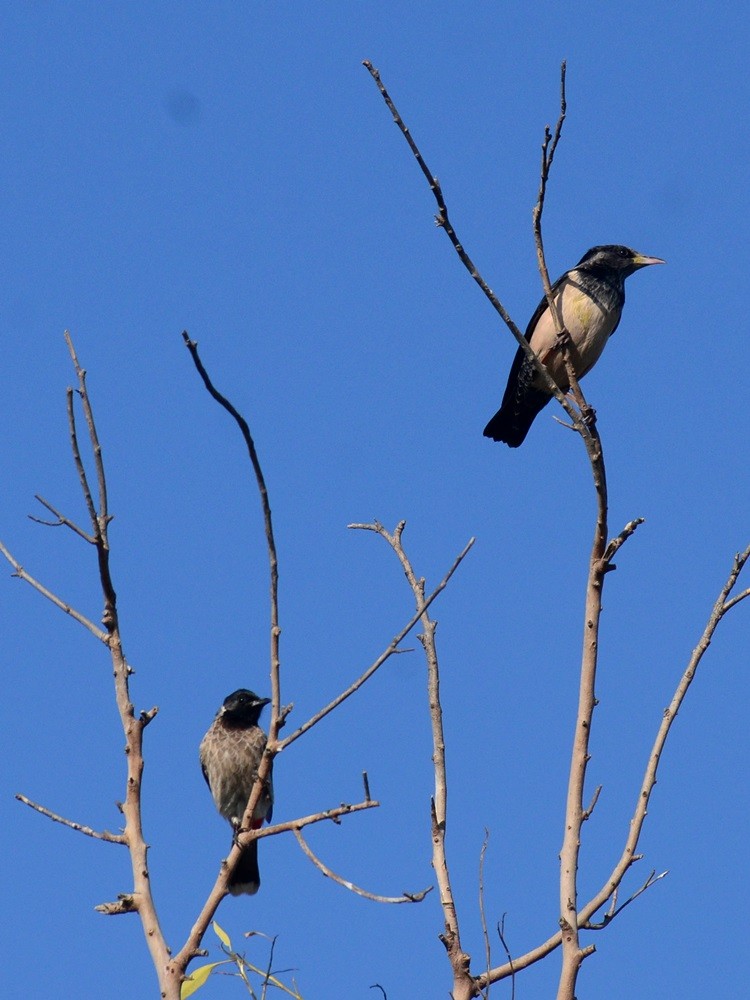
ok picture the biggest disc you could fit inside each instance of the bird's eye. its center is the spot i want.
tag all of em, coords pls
(624, 252)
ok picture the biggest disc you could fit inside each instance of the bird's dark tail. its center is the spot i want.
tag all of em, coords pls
(512, 421)
(246, 876)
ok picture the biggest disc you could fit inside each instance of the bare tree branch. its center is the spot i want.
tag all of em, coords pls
(720, 608)
(334, 815)
(616, 543)
(278, 715)
(501, 935)
(407, 897)
(628, 856)
(191, 947)
(573, 954)
(602, 554)
(614, 909)
(549, 147)
(103, 512)
(443, 221)
(482, 914)
(192, 347)
(78, 461)
(111, 838)
(21, 573)
(274, 746)
(141, 898)
(126, 903)
(61, 521)
(586, 814)
(464, 986)
(736, 600)
(389, 651)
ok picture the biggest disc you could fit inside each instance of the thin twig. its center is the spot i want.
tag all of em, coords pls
(21, 573)
(126, 903)
(407, 897)
(278, 715)
(61, 521)
(736, 600)
(464, 986)
(88, 413)
(110, 838)
(78, 461)
(614, 910)
(616, 543)
(501, 935)
(141, 899)
(269, 964)
(389, 651)
(335, 814)
(583, 421)
(192, 347)
(629, 856)
(482, 914)
(549, 147)
(564, 340)
(719, 610)
(586, 814)
(267, 977)
(219, 890)
(444, 222)
(575, 814)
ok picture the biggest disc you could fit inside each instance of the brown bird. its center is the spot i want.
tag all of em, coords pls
(230, 753)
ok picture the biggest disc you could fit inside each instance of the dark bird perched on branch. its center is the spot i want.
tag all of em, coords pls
(590, 298)
(231, 752)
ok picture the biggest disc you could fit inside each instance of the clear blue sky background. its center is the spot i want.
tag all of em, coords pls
(231, 169)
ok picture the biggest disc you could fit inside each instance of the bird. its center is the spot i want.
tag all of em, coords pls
(230, 754)
(590, 298)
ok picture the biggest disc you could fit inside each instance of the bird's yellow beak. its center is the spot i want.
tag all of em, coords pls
(640, 260)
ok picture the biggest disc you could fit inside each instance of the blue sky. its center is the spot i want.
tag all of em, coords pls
(231, 169)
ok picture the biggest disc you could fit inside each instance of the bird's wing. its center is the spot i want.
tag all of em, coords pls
(542, 307)
(617, 323)
(203, 761)
(518, 382)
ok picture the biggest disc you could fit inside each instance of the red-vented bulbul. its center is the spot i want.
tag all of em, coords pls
(231, 752)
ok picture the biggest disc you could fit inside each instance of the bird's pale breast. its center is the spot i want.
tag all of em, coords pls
(589, 325)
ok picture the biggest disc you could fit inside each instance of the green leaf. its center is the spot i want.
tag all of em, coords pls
(222, 936)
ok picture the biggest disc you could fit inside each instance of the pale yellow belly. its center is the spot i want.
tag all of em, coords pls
(589, 326)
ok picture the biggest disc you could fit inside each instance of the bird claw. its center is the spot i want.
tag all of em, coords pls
(561, 340)
(588, 415)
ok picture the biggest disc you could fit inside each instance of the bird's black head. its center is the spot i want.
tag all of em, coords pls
(243, 707)
(614, 258)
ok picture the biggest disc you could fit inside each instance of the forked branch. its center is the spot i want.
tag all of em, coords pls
(723, 604)
(443, 221)
(464, 986)
(140, 900)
